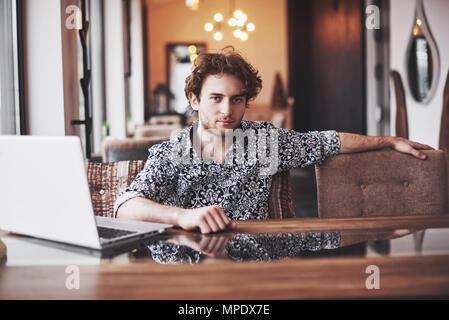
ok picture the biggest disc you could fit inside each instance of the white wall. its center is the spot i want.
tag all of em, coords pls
(43, 63)
(97, 54)
(423, 120)
(114, 68)
(136, 94)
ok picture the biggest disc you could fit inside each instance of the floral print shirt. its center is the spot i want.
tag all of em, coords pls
(175, 175)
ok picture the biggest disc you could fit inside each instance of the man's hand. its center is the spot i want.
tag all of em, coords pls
(207, 219)
(351, 142)
(410, 147)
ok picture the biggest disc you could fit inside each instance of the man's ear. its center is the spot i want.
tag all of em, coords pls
(194, 101)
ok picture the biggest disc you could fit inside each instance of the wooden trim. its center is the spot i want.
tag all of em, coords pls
(338, 224)
(444, 128)
(401, 108)
(69, 40)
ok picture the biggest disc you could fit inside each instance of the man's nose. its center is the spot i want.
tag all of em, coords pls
(225, 107)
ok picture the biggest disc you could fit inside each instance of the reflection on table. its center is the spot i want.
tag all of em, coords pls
(195, 248)
(241, 247)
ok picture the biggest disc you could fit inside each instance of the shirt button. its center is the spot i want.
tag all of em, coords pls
(101, 192)
(362, 186)
(405, 184)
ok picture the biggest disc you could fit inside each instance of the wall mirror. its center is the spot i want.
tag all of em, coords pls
(179, 65)
(423, 64)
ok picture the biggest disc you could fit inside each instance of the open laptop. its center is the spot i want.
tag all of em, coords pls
(44, 193)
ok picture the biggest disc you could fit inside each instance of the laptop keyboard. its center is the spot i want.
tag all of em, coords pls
(110, 233)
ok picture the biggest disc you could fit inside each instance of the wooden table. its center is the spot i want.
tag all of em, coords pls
(295, 278)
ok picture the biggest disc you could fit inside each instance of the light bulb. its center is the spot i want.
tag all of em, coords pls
(208, 27)
(192, 49)
(250, 27)
(237, 33)
(218, 17)
(193, 4)
(244, 36)
(232, 22)
(193, 57)
(218, 36)
(238, 14)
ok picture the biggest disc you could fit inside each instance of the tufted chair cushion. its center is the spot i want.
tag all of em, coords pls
(106, 180)
(382, 183)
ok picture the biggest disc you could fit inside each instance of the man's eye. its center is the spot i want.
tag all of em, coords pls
(238, 100)
(216, 98)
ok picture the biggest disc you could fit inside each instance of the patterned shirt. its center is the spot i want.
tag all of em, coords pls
(175, 175)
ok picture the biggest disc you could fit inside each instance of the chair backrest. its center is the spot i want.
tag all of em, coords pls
(382, 183)
(106, 180)
(280, 197)
(169, 119)
(128, 149)
(278, 120)
(157, 130)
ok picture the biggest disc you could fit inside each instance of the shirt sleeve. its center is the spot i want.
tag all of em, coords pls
(155, 182)
(297, 149)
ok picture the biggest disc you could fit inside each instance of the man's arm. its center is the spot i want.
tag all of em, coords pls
(206, 219)
(350, 142)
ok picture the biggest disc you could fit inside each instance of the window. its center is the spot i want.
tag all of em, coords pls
(9, 76)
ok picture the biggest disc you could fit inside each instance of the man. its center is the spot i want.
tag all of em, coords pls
(204, 180)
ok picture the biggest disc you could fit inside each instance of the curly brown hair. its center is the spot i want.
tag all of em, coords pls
(226, 61)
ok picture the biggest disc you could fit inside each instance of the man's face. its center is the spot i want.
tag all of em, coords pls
(222, 103)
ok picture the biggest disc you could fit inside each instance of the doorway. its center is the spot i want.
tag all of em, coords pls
(327, 64)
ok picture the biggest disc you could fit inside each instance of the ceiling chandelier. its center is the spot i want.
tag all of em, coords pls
(193, 4)
(238, 22)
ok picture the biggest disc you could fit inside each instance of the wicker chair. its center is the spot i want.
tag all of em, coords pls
(106, 180)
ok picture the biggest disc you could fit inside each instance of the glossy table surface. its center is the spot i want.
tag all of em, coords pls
(275, 259)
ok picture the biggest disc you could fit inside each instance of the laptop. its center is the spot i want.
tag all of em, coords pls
(44, 194)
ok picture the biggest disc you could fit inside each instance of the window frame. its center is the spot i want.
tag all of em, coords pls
(14, 45)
